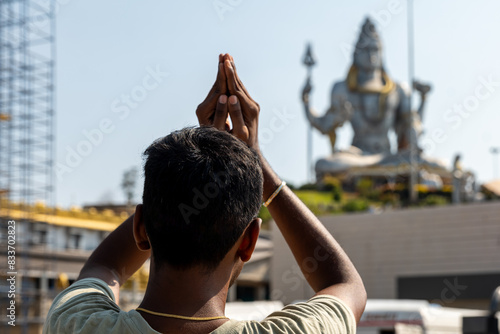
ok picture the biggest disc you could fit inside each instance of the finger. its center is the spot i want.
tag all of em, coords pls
(233, 65)
(220, 83)
(217, 79)
(240, 84)
(231, 59)
(240, 130)
(221, 113)
(235, 89)
(231, 78)
(223, 79)
(205, 110)
(219, 87)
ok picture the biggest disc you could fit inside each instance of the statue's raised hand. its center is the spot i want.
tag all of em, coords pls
(422, 88)
(306, 91)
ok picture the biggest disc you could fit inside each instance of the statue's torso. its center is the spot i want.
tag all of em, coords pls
(370, 123)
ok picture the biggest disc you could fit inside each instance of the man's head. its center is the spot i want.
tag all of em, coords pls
(202, 189)
(368, 51)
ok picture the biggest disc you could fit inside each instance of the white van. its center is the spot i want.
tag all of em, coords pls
(381, 316)
(386, 316)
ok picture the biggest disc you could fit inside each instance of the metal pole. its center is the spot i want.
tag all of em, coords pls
(495, 151)
(413, 146)
(310, 174)
(309, 62)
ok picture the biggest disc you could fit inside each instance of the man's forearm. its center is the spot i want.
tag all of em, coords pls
(320, 257)
(117, 257)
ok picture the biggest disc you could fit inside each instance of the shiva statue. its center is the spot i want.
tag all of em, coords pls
(373, 104)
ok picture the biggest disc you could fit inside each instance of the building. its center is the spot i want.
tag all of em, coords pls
(50, 251)
(447, 255)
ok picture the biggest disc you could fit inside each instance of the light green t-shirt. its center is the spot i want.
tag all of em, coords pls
(88, 306)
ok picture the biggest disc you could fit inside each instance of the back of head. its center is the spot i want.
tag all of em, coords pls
(202, 188)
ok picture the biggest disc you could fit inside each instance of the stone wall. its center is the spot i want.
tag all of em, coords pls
(440, 246)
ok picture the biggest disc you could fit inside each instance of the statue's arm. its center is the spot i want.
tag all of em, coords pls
(403, 117)
(407, 123)
(423, 90)
(334, 117)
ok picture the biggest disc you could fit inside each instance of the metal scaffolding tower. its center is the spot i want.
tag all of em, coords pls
(26, 101)
(27, 53)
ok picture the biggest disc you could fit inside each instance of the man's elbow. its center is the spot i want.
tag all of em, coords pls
(360, 299)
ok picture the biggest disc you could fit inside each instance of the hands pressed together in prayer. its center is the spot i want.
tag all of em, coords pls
(229, 104)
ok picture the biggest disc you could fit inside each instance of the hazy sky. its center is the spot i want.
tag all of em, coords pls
(129, 72)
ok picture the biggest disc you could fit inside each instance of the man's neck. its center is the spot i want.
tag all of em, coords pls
(188, 293)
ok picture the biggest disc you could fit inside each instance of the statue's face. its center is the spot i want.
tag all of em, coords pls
(369, 56)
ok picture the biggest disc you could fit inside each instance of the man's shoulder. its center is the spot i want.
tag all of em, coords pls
(88, 306)
(320, 314)
(87, 288)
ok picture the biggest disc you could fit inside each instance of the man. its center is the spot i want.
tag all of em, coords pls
(203, 189)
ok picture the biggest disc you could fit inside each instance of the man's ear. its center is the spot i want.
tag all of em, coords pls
(140, 235)
(250, 237)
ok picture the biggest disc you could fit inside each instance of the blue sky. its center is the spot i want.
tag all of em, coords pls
(129, 72)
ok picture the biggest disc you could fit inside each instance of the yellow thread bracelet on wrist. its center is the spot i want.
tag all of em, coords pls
(275, 193)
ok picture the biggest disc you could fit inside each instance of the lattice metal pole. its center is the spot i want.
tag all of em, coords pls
(27, 51)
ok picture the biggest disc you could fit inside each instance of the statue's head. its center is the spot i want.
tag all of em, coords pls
(368, 51)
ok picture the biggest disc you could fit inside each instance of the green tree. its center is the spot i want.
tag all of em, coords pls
(128, 184)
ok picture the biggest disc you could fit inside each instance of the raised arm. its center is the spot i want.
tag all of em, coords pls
(407, 122)
(305, 234)
(423, 90)
(309, 240)
(335, 116)
(117, 257)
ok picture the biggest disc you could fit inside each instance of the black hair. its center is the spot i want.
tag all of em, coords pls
(202, 188)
